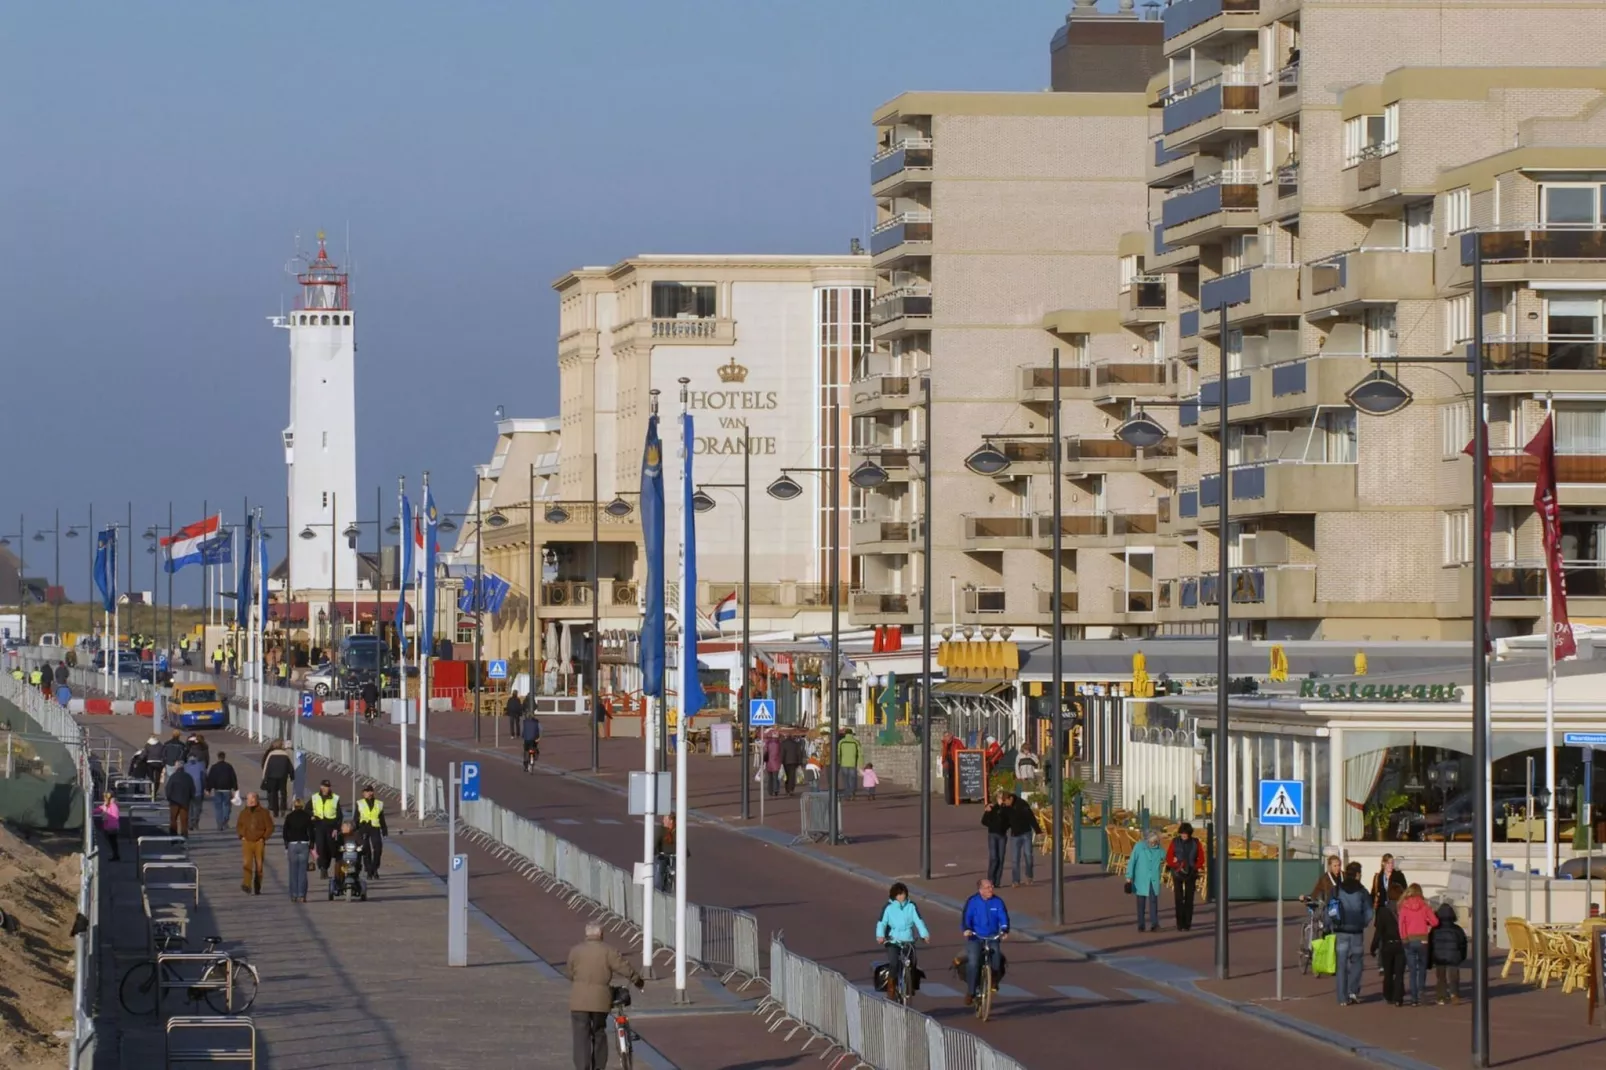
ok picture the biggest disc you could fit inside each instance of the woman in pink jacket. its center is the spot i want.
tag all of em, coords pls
(1417, 921)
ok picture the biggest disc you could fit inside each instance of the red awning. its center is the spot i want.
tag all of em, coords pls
(297, 612)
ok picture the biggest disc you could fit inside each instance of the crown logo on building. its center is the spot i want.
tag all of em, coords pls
(732, 372)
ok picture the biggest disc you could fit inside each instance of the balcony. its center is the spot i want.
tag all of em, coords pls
(1368, 276)
(1295, 385)
(1027, 456)
(1142, 301)
(1167, 167)
(1212, 109)
(1090, 456)
(1279, 99)
(896, 460)
(1256, 293)
(1188, 23)
(884, 393)
(1036, 531)
(901, 312)
(1581, 478)
(1164, 259)
(883, 607)
(985, 601)
(1069, 600)
(1206, 210)
(883, 536)
(687, 331)
(1374, 178)
(1125, 602)
(905, 235)
(1540, 353)
(1169, 519)
(1520, 254)
(1119, 381)
(904, 162)
(1279, 198)
(1270, 488)
(1521, 580)
(1036, 385)
(1240, 391)
(617, 598)
(1286, 591)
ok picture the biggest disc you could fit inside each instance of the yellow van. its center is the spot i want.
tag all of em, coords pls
(198, 706)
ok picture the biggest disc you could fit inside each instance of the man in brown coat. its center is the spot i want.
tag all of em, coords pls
(592, 967)
(254, 826)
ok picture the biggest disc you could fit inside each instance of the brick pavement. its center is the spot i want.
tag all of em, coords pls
(1053, 996)
(1529, 1028)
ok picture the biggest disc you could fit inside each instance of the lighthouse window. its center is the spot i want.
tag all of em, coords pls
(326, 321)
(348, 320)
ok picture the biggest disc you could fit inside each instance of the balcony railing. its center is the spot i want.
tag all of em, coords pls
(1520, 467)
(884, 531)
(911, 226)
(1074, 377)
(1240, 391)
(1536, 243)
(985, 600)
(1288, 77)
(1585, 579)
(1233, 91)
(1249, 586)
(906, 153)
(1039, 527)
(1188, 503)
(1188, 322)
(1163, 155)
(1233, 289)
(1183, 16)
(1220, 192)
(1188, 413)
(685, 328)
(1518, 353)
(882, 386)
(908, 301)
(1132, 374)
(1099, 449)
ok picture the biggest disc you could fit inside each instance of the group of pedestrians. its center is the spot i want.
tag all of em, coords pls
(1011, 826)
(1408, 934)
(1183, 859)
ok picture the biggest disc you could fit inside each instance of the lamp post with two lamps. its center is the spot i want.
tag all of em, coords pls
(57, 531)
(702, 502)
(556, 513)
(1382, 394)
(351, 532)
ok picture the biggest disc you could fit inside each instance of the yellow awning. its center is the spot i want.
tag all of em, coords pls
(987, 660)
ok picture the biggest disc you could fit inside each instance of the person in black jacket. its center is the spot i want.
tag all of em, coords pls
(515, 713)
(153, 762)
(1390, 948)
(995, 819)
(196, 747)
(793, 756)
(222, 783)
(181, 791)
(1448, 948)
(298, 849)
(1022, 828)
(277, 770)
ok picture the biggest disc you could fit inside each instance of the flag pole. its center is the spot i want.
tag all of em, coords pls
(404, 538)
(651, 687)
(688, 672)
(425, 641)
(1550, 693)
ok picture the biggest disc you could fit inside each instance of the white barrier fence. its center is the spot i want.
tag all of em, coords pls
(879, 1033)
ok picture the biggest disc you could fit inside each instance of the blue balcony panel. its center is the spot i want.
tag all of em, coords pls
(1239, 392)
(1188, 323)
(1210, 492)
(1231, 289)
(1196, 107)
(1188, 503)
(887, 166)
(1181, 17)
(1288, 378)
(1195, 204)
(1249, 483)
(1188, 414)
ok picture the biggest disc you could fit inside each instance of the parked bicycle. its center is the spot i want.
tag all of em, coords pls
(624, 1037)
(228, 984)
(1314, 929)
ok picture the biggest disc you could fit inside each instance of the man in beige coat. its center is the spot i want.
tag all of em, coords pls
(592, 967)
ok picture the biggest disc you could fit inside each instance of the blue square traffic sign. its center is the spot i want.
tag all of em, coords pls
(761, 712)
(498, 670)
(306, 705)
(1282, 802)
(471, 782)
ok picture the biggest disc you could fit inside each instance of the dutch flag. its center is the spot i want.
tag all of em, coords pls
(188, 545)
(725, 610)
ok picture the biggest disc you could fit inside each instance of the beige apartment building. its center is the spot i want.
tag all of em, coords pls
(1000, 222)
(1320, 171)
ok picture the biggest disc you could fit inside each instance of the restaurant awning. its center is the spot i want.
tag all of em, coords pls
(968, 687)
(296, 612)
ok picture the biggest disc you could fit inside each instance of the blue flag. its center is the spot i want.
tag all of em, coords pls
(468, 600)
(242, 592)
(431, 527)
(652, 528)
(406, 560)
(691, 685)
(218, 550)
(106, 567)
(262, 577)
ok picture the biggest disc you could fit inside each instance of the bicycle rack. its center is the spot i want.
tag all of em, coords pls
(160, 849)
(242, 1050)
(176, 872)
(170, 980)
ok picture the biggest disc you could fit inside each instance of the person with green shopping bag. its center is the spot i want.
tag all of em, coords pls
(1143, 869)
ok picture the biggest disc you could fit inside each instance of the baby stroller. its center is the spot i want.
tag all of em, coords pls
(345, 879)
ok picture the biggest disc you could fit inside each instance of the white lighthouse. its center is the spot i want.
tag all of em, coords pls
(320, 443)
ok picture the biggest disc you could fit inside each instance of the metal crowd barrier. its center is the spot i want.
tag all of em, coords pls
(235, 1040)
(876, 1032)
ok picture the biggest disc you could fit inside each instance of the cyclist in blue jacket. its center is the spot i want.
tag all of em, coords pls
(985, 917)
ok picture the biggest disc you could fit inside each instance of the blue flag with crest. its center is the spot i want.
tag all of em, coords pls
(652, 528)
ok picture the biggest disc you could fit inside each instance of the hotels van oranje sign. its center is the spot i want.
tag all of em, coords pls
(1354, 692)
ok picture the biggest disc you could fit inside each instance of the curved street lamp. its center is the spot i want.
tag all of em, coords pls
(308, 534)
(1379, 394)
(702, 502)
(618, 508)
(987, 460)
(785, 488)
(1141, 431)
(868, 476)
(496, 520)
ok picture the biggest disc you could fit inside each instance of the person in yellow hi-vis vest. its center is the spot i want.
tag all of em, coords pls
(325, 827)
(371, 829)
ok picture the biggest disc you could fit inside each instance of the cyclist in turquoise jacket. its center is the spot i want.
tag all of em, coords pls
(899, 924)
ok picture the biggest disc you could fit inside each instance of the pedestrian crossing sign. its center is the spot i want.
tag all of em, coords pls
(1282, 802)
(761, 712)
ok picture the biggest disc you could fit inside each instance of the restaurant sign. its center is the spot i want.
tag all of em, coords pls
(1356, 692)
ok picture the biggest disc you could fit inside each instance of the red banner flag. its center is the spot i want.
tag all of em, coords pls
(1548, 506)
(1486, 528)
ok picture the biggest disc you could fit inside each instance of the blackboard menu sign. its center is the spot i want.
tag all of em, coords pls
(970, 776)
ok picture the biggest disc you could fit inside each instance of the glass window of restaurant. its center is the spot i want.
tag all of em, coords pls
(1401, 785)
(1257, 756)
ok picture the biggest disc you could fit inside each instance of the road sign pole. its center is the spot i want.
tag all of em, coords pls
(1282, 854)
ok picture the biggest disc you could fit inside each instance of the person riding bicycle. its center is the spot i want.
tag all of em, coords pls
(896, 930)
(985, 918)
(370, 700)
(532, 740)
(663, 853)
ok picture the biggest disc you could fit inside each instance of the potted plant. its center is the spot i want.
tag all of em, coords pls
(1381, 812)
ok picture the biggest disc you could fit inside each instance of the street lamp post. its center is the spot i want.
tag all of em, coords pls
(702, 503)
(1382, 394)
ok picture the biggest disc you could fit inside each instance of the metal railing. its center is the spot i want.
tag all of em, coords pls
(877, 1032)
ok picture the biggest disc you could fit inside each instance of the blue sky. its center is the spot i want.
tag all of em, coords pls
(161, 159)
